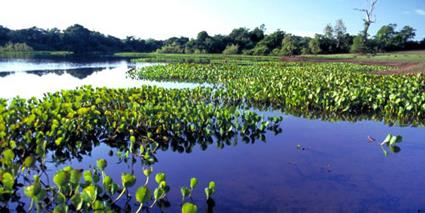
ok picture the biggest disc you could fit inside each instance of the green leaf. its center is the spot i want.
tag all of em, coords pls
(88, 178)
(158, 193)
(160, 177)
(61, 178)
(99, 207)
(211, 185)
(29, 191)
(147, 171)
(74, 176)
(128, 180)
(189, 208)
(61, 209)
(101, 164)
(8, 181)
(59, 141)
(28, 162)
(8, 155)
(60, 198)
(185, 191)
(163, 184)
(107, 180)
(89, 194)
(114, 188)
(387, 139)
(193, 183)
(77, 201)
(142, 194)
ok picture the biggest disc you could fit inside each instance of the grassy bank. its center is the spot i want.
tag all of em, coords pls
(405, 56)
(34, 53)
(196, 58)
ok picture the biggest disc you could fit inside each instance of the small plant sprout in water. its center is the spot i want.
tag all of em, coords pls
(187, 192)
(83, 191)
(391, 142)
(210, 190)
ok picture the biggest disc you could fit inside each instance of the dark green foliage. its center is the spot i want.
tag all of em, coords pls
(79, 39)
(336, 88)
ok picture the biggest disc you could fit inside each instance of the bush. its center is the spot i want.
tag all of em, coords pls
(260, 50)
(231, 49)
(16, 47)
(359, 45)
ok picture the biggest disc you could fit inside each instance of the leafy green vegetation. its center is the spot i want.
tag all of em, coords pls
(136, 122)
(16, 47)
(335, 88)
(391, 142)
(96, 191)
(14, 54)
(204, 58)
(335, 39)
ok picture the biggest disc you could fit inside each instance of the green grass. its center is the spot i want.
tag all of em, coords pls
(195, 58)
(34, 53)
(405, 56)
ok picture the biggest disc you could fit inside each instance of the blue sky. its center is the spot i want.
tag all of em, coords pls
(165, 18)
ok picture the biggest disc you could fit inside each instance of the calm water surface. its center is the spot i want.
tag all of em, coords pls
(33, 77)
(336, 170)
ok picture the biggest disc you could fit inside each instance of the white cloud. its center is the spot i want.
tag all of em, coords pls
(420, 12)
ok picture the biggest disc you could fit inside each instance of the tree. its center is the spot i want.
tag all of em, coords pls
(359, 45)
(388, 38)
(231, 49)
(385, 37)
(4, 38)
(314, 45)
(340, 34)
(289, 47)
(16, 47)
(269, 43)
(404, 36)
(328, 31)
(369, 17)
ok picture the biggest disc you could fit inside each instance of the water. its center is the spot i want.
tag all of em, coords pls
(312, 166)
(33, 77)
(336, 170)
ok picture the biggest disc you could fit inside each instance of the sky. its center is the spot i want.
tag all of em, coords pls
(161, 19)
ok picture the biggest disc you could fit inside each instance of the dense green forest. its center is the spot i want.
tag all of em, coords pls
(334, 39)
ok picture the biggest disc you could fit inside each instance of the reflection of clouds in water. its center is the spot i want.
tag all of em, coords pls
(27, 85)
(19, 65)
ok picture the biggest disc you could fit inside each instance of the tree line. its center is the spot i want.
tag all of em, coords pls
(334, 39)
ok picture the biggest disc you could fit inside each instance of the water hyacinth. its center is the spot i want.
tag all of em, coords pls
(137, 122)
(334, 88)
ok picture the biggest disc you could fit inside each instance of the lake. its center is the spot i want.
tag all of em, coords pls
(28, 77)
(313, 165)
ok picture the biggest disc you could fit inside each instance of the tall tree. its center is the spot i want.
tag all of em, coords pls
(314, 45)
(340, 33)
(385, 37)
(289, 47)
(328, 31)
(369, 18)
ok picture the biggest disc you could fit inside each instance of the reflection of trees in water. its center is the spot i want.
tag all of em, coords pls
(79, 73)
(4, 74)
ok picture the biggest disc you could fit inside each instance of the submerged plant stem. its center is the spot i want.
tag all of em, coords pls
(120, 195)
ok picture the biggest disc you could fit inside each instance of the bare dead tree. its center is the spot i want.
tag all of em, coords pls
(370, 17)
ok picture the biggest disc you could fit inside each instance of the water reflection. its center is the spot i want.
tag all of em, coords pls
(33, 77)
(110, 145)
